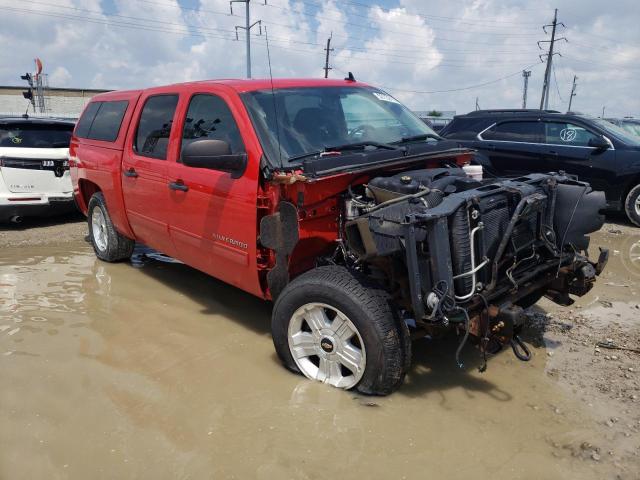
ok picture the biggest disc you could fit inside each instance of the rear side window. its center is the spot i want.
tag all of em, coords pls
(154, 128)
(107, 123)
(102, 120)
(84, 124)
(464, 128)
(209, 117)
(515, 132)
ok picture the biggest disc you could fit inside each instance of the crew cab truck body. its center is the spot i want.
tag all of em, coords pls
(334, 201)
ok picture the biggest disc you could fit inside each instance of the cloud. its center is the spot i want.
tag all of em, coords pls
(405, 45)
(60, 76)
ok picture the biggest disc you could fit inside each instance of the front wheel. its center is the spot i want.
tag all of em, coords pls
(632, 205)
(108, 244)
(337, 327)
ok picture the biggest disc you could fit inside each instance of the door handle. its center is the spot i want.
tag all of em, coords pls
(489, 147)
(130, 173)
(178, 185)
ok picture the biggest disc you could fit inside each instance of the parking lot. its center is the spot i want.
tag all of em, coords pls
(152, 369)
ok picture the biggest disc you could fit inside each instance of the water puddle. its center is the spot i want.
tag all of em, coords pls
(151, 369)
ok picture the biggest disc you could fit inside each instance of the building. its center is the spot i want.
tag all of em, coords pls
(60, 102)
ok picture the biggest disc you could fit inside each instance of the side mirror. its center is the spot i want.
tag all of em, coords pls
(599, 142)
(214, 155)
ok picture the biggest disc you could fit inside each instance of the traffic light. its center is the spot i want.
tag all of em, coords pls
(27, 77)
(28, 94)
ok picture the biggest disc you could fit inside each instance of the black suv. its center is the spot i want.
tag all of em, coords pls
(516, 142)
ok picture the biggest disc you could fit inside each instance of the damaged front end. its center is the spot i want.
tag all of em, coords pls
(475, 254)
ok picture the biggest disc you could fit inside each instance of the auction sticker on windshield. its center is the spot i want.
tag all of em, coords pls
(385, 97)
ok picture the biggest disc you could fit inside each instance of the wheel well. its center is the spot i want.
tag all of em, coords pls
(87, 188)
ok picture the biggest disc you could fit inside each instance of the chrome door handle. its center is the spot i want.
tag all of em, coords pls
(178, 185)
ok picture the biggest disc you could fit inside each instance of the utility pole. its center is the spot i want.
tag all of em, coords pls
(247, 28)
(477, 104)
(544, 100)
(525, 74)
(573, 92)
(326, 59)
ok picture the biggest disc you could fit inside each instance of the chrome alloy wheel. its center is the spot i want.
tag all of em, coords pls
(99, 229)
(326, 345)
(638, 205)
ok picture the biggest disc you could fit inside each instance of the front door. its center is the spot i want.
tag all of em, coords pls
(144, 171)
(568, 144)
(213, 216)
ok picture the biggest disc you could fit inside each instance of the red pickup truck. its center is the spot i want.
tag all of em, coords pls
(333, 200)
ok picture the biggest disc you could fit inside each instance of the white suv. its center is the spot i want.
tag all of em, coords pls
(34, 167)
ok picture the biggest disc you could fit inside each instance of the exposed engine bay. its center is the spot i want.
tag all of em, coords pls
(458, 251)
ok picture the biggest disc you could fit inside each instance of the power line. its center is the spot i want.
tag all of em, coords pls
(556, 82)
(135, 26)
(297, 42)
(403, 24)
(126, 17)
(470, 87)
(481, 22)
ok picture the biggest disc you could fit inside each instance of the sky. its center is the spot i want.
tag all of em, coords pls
(429, 54)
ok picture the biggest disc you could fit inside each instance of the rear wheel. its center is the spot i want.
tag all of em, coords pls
(338, 328)
(108, 244)
(632, 205)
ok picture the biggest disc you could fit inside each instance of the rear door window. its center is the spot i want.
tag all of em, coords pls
(154, 127)
(209, 117)
(530, 132)
(102, 120)
(569, 134)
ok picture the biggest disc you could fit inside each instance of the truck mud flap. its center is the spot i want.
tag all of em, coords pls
(279, 232)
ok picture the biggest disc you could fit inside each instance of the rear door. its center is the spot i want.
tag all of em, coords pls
(567, 143)
(144, 169)
(515, 147)
(213, 216)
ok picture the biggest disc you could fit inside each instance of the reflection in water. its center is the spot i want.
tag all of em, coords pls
(630, 254)
(158, 371)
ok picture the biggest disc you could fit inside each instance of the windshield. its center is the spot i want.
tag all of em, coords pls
(312, 119)
(618, 132)
(631, 127)
(25, 135)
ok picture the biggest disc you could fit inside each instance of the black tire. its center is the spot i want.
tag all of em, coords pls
(386, 338)
(118, 247)
(630, 205)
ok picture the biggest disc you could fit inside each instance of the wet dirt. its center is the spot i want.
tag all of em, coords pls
(151, 369)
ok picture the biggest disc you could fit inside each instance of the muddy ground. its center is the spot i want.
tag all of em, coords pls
(151, 369)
